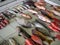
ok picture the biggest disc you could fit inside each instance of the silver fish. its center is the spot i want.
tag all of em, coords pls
(16, 11)
(20, 7)
(32, 11)
(44, 31)
(28, 6)
(25, 7)
(11, 12)
(44, 18)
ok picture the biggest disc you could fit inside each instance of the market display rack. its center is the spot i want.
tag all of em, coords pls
(10, 30)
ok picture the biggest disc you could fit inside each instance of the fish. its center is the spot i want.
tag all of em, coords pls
(47, 13)
(44, 18)
(45, 25)
(37, 39)
(12, 12)
(56, 12)
(30, 39)
(15, 10)
(32, 11)
(27, 6)
(26, 36)
(57, 8)
(44, 31)
(42, 36)
(26, 16)
(39, 6)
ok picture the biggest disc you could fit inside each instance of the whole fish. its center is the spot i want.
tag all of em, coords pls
(30, 40)
(56, 12)
(57, 8)
(42, 36)
(47, 13)
(40, 6)
(26, 16)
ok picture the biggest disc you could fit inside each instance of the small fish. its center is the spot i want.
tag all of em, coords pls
(1, 26)
(6, 14)
(3, 23)
(44, 18)
(15, 10)
(27, 6)
(35, 24)
(37, 39)
(39, 6)
(9, 14)
(44, 31)
(6, 21)
(56, 13)
(57, 8)
(32, 11)
(23, 32)
(29, 40)
(12, 12)
(47, 13)
(43, 24)
(42, 36)
(26, 16)
(20, 8)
